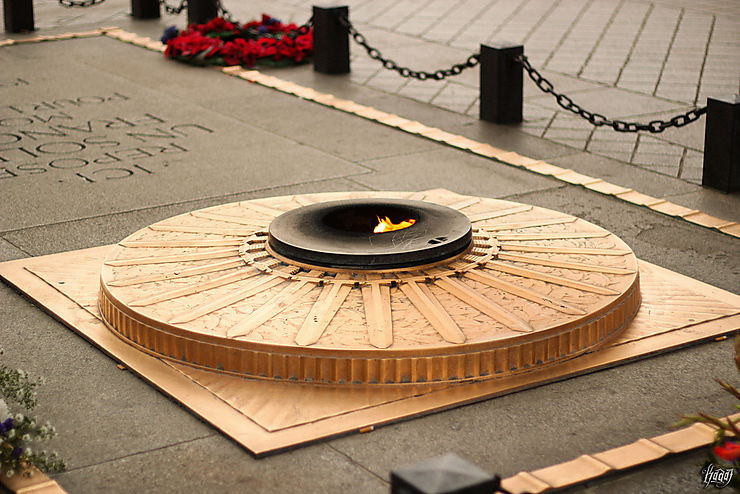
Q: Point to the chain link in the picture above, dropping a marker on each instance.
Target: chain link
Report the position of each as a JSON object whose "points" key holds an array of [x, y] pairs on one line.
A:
{"points": [[170, 9], [77, 3], [174, 10], [599, 120], [224, 13], [389, 64], [305, 28]]}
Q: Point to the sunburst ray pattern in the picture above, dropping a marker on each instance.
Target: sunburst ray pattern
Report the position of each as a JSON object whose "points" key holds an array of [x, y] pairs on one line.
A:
{"points": [[536, 286]]}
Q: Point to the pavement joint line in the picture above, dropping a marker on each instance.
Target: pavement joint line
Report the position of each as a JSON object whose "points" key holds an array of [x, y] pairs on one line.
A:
{"points": [[509, 158], [14, 245], [358, 464], [178, 203], [142, 452], [589, 467]]}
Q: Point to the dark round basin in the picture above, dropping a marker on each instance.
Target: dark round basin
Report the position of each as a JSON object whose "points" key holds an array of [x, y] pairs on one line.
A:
{"points": [[339, 234]]}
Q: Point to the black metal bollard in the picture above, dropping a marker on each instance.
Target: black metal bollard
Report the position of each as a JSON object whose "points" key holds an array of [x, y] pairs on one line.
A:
{"points": [[330, 40], [722, 144], [18, 15], [501, 80], [448, 473], [145, 9], [202, 11]]}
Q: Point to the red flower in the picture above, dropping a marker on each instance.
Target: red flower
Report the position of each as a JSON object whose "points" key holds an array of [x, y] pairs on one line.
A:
{"points": [[190, 44], [217, 24], [240, 52], [205, 43], [728, 450]]}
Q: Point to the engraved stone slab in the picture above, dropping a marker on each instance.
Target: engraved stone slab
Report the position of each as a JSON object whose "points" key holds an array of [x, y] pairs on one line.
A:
{"points": [[128, 129]]}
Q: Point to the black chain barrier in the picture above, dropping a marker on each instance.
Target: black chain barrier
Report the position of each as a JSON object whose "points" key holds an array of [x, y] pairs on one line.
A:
{"points": [[305, 28], [76, 3], [170, 9], [546, 86], [174, 10], [599, 120], [224, 13], [389, 64]]}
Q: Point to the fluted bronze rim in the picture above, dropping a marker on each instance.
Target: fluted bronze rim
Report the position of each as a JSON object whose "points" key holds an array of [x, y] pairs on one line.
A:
{"points": [[316, 361]]}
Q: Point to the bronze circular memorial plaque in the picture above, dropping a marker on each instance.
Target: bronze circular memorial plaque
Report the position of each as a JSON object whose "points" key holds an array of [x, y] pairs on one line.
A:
{"points": [[504, 288]]}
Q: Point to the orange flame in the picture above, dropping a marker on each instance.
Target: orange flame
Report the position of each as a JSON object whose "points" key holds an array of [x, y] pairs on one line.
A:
{"points": [[386, 225]]}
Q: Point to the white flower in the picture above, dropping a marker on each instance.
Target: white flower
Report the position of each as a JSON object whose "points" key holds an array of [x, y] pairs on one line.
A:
{"points": [[26, 437], [4, 410], [10, 473], [19, 417], [28, 451], [11, 433]]}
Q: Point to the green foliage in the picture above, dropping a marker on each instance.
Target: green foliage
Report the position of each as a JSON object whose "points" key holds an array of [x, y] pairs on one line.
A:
{"points": [[18, 431]]}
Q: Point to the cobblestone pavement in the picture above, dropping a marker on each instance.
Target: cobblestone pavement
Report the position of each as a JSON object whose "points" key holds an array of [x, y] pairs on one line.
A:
{"points": [[632, 60]]}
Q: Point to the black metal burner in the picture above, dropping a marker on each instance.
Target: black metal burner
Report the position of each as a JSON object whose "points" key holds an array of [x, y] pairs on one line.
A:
{"points": [[339, 234]]}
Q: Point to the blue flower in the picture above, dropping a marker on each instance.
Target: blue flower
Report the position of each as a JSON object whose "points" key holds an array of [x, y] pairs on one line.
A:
{"points": [[17, 451], [273, 20], [169, 33], [6, 426], [262, 29]]}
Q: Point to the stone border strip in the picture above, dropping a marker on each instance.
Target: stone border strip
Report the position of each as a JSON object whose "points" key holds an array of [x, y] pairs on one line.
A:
{"points": [[111, 32], [510, 158], [616, 460]]}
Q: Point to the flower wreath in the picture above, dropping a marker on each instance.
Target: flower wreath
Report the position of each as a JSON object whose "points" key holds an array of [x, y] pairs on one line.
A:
{"points": [[222, 42]]}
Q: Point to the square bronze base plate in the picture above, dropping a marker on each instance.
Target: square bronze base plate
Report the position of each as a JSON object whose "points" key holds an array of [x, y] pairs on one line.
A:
{"points": [[266, 417]]}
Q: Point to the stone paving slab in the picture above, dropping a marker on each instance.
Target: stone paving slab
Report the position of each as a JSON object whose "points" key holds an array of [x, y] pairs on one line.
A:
{"points": [[113, 420], [614, 102], [465, 174], [8, 251], [326, 130], [214, 465], [91, 132], [110, 228]]}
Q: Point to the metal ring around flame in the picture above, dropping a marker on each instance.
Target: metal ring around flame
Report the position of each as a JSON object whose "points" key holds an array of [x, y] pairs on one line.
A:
{"points": [[338, 234]]}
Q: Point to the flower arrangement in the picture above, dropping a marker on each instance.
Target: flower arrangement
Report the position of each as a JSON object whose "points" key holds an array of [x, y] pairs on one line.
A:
{"points": [[726, 447], [222, 42], [18, 431]]}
